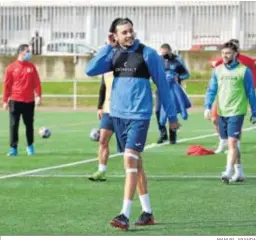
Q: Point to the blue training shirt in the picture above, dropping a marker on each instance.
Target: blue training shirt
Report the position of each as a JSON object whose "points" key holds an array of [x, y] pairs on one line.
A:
{"points": [[131, 98]]}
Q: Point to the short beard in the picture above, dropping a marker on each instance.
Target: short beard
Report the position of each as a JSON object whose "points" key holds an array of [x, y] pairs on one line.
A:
{"points": [[230, 62], [126, 46]]}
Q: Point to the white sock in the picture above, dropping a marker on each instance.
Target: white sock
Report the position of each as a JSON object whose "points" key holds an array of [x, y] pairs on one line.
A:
{"points": [[238, 169], [223, 142], [145, 203], [102, 168], [229, 166], [126, 210]]}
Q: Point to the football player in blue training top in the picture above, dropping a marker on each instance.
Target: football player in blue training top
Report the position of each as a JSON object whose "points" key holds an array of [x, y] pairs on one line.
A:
{"points": [[132, 64], [176, 72]]}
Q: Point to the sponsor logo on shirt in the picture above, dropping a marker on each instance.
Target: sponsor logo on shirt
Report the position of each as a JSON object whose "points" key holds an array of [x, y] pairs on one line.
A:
{"points": [[125, 68], [229, 78]]}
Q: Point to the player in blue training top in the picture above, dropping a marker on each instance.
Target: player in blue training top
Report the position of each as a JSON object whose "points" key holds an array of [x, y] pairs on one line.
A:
{"points": [[176, 72], [132, 64]]}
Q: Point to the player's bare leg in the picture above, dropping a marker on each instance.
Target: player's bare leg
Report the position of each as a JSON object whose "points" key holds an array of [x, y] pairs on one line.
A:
{"points": [[146, 217], [103, 154], [131, 159], [223, 143], [105, 136], [233, 160], [238, 175]]}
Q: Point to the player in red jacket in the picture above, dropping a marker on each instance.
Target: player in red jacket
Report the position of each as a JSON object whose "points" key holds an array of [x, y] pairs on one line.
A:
{"points": [[248, 62], [21, 90]]}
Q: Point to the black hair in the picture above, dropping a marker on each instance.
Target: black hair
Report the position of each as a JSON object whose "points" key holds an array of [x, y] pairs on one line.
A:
{"points": [[22, 47], [166, 46], [235, 41], [119, 21], [230, 45]]}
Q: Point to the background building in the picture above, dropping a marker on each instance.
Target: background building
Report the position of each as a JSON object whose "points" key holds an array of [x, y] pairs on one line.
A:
{"points": [[184, 24]]}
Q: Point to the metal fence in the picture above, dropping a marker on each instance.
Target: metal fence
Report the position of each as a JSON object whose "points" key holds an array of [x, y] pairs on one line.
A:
{"points": [[76, 26], [72, 99]]}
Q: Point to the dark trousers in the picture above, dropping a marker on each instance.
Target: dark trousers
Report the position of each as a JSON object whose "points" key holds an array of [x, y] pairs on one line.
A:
{"points": [[26, 110]]}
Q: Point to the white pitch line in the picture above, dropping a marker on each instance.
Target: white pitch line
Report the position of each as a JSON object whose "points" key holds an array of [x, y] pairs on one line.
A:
{"points": [[153, 145], [122, 176]]}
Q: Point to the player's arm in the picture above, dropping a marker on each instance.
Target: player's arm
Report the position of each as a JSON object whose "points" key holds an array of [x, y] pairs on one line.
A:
{"points": [[156, 68], [182, 71], [101, 63], [102, 93], [211, 92], [37, 82], [249, 89], [37, 86], [246, 60], [8, 82]]}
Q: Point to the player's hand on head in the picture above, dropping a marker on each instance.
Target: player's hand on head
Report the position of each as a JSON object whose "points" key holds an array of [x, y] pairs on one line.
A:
{"points": [[207, 114], [100, 114], [111, 40]]}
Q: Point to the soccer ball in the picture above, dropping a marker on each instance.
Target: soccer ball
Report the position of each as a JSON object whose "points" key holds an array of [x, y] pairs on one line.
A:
{"points": [[95, 134], [44, 132]]}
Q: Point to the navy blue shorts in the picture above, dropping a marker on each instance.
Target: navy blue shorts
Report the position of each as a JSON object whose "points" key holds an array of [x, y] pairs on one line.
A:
{"points": [[106, 122], [230, 126], [131, 134]]}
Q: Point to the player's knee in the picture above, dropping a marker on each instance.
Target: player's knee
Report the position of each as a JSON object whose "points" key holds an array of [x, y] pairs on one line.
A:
{"points": [[29, 126], [131, 160], [131, 170], [232, 143], [140, 166], [132, 156], [103, 141]]}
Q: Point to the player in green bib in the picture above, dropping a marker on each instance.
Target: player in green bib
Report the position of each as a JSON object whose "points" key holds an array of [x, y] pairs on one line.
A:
{"points": [[232, 87]]}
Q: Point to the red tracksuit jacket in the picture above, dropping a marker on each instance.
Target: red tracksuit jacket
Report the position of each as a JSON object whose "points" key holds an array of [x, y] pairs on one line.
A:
{"points": [[245, 60], [21, 82]]}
